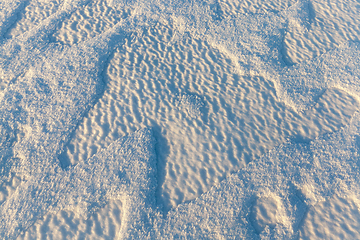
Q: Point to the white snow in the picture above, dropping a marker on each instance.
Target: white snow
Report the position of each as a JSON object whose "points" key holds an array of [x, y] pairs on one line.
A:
{"points": [[222, 119]]}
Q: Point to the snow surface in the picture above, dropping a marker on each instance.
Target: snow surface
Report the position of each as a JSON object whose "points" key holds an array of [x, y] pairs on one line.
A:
{"points": [[159, 119]]}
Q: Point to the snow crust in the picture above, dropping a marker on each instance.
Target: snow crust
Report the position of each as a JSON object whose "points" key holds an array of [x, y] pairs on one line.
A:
{"points": [[51, 75]]}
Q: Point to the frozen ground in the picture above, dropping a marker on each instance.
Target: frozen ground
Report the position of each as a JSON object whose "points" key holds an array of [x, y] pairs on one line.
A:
{"points": [[179, 119]]}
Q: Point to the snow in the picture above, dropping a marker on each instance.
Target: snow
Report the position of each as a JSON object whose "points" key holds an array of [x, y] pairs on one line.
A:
{"points": [[183, 119]]}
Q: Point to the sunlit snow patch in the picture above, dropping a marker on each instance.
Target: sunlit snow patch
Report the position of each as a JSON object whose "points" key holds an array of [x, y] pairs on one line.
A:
{"points": [[241, 119], [265, 212], [234, 7], [104, 223], [90, 21], [335, 218], [126, 170], [301, 84], [290, 192], [32, 15], [329, 24], [9, 180]]}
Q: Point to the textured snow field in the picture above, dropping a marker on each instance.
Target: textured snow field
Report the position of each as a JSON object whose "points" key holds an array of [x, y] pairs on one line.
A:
{"points": [[192, 120]]}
